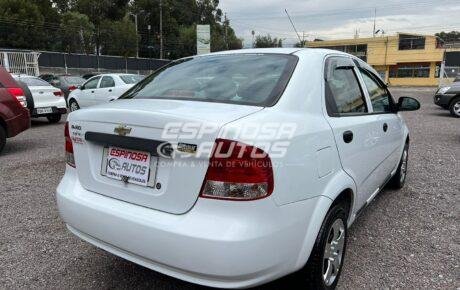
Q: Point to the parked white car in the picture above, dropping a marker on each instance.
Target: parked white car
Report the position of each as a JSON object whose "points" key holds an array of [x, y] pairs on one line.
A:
{"points": [[48, 101], [236, 168], [101, 89]]}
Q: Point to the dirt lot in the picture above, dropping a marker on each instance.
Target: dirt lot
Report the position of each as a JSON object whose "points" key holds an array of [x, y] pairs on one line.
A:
{"points": [[405, 239]]}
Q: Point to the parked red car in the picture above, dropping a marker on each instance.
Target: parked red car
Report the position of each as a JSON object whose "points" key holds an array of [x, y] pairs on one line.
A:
{"points": [[14, 115]]}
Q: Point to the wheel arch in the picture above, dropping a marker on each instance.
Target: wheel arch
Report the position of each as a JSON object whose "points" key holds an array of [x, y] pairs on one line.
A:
{"points": [[340, 188]]}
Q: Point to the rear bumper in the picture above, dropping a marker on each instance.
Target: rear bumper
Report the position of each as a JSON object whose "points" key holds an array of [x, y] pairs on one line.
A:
{"points": [[443, 100], [217, 243], [18, 123]]}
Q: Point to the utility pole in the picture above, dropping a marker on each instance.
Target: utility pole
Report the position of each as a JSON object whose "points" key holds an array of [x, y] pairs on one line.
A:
{"points": [[137, 34], [225, 26], [375, 15], [253, 34], [161, 29]]}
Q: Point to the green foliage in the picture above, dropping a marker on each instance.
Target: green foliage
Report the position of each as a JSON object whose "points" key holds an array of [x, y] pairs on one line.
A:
{"points": [[453, 36], [267, 41], [107, 26], [77, 33], [118, 38], [21, 24]]}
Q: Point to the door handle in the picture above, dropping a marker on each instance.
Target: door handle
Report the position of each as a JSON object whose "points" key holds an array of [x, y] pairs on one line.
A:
{"points": [[385, 127], [110, 90], [92, 91], [347, 136]]}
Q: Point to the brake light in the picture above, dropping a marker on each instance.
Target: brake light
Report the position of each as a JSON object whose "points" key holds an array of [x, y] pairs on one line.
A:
{"points": [[58, 93], [72, 88], [68, 146], [238, 171], [19, 95]]}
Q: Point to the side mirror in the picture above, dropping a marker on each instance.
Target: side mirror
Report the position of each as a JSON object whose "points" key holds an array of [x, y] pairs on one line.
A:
{"points": [[408, 104]]}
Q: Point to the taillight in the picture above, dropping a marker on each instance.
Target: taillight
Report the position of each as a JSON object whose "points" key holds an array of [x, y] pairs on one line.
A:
{"points": [[19, 95], [68, 146], [58, 93], [238, 171], [72, 88]]}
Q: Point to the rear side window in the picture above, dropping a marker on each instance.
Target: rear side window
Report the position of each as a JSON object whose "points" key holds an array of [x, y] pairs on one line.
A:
{"points": [[33, 82], [249, 79], [107, 82], [131, 79], [380, 98], [343, 92]]}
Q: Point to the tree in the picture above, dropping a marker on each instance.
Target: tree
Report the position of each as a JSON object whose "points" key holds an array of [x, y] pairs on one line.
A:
{"points": [[22, 25], [118, 38], [100, 11], [267, 41], [453, 36], [77, 33]]}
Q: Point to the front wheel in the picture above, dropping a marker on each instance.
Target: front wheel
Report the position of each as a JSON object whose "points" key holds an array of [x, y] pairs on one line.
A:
{"points": [[324, 266], [454, 107], [73, 105], [54, 118], [399, 179]]}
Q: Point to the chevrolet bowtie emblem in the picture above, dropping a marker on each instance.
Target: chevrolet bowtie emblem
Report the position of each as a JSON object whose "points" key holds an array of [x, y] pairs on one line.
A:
{"points": [[122, 130]]}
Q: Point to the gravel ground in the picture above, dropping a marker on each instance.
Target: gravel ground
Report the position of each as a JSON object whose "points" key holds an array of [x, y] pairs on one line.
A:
{"points": [[405, 239]]}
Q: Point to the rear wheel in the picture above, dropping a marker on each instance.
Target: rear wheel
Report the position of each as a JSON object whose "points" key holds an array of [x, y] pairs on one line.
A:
{"points": [[398, 180], [54, 118], [2, 138], [454, 107], [73, 105], [324, 266]]}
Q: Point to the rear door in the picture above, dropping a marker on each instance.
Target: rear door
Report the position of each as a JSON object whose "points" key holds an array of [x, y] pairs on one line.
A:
{"points": [[105, 91], [349, 115]]}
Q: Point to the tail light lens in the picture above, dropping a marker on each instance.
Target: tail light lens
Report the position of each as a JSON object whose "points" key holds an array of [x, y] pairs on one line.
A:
{"points": [[72, 88], [58, 93], [19, 95], [68, 146], [238, 171]]}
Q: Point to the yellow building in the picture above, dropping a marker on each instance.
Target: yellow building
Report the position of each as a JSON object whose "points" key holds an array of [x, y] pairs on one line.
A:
{"points": [[401, 60]]}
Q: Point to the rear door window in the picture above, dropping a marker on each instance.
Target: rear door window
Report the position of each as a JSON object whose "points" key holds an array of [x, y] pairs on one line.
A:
{"points": [[343, 92]]}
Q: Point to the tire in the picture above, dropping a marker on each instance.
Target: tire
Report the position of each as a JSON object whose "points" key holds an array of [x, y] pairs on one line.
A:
{"points": [[2, 138], [334, 229], [73, 105], [454, 107], [399, 179], [54, 118]]}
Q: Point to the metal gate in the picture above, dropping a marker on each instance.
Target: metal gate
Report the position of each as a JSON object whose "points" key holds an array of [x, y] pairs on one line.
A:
{"points": [[20, 62]]}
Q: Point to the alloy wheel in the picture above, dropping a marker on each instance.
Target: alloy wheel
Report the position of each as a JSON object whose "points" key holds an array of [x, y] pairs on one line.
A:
{"points": [[73, 106], [403, 171], [457, 108], [333, 252]]}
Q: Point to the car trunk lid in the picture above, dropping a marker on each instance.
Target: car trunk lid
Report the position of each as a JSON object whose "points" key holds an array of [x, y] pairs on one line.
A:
{"points": [[173, 183]]}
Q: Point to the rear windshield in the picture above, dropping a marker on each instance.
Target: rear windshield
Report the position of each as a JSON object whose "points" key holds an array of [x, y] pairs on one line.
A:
{"points": [[31, 82], [251, 79], [74, 80], [131, 79]]}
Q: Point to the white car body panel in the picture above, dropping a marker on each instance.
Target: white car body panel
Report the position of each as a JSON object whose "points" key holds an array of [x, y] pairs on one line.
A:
{"points": [[226, 243], [44, 97]]}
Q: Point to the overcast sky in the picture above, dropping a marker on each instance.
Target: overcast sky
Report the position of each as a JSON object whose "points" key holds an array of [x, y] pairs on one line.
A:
{"points": [[332, 19]]}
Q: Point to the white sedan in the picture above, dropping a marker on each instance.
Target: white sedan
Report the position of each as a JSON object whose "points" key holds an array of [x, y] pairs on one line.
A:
{"points": [[101, 89], [48, 101], [236, 168]]}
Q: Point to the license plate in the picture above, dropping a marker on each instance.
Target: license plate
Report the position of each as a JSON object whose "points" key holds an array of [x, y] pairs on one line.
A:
{"points": [[44, 111], [129, 166]]}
